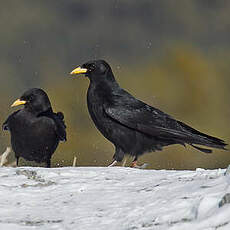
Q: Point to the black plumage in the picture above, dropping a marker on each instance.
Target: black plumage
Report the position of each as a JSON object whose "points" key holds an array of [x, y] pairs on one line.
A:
{"points": [[35, 129], [131, 125]]}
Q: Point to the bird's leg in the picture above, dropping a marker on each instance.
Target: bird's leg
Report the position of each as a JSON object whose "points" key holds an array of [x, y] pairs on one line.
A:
{"points": [[118, 156], [135, 165], [48, 164], [17, 161], [113, 163], [124, 161]]}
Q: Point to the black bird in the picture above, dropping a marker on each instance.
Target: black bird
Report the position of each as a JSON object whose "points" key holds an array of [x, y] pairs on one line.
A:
{"points": [[131, 125], [35, 129]]}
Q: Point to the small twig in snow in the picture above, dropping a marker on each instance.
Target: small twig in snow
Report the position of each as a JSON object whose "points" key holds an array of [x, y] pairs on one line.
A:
{"points": [[74, 161], [3, 157]]}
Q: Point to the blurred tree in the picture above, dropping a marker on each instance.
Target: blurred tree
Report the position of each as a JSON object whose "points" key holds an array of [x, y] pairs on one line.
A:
{"points": [[172, 56]]}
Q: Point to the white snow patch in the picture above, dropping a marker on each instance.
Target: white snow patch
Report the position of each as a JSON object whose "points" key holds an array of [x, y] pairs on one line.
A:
{"points": [[113, 198]]}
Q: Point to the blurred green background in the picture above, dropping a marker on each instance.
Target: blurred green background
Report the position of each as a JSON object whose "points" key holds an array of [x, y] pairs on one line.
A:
{"points": [[173, 55]]}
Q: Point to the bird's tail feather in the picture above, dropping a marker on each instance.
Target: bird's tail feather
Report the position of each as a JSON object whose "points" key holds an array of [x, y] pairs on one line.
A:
{"points": [[203, 139], [202, 149]]}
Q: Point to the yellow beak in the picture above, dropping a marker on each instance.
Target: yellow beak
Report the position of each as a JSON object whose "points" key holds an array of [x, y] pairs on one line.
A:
{"points": [[18, 102], [79, 70]]}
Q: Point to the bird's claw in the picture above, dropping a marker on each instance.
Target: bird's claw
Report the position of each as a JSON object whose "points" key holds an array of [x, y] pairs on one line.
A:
{"points": [[135, 165]]}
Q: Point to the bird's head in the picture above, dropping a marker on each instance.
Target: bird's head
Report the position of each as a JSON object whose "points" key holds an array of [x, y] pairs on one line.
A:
{"points": [[35, 100], [95, 70]]}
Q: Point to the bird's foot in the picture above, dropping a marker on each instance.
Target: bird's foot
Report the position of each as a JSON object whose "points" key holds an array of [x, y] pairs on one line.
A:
{"points": [[135, 165], [113, 164]]}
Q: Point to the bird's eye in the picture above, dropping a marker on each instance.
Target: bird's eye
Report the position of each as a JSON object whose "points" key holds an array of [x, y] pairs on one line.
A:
{"points": [[31, 98], [92, 67]]}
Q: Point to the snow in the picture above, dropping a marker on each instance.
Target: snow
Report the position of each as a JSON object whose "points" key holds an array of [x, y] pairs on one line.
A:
{"points": [[113, 198]]}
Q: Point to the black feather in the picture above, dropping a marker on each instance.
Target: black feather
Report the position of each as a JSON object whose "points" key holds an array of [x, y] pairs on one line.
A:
{"points": [[202, 149], [35, 129], [131, 125]]}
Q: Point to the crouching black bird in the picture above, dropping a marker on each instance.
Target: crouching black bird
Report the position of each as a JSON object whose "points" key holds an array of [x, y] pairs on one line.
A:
{"points": [[131, 125], [35, 129]]}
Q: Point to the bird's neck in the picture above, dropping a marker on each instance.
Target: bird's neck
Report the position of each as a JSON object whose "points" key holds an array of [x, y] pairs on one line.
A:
{"points": [[102, 92], [38, 113], [103, 84], [46, 113]]}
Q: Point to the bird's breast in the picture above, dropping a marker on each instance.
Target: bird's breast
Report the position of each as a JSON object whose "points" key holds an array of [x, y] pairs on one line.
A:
{"points": [[95, 104], [30, 127]]}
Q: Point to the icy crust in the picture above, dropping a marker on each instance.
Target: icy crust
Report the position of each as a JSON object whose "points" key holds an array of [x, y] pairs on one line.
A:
{"points": [[113, 198]]}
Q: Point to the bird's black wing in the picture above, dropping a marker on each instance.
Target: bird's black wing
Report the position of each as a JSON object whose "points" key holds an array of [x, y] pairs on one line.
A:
{"points": [[6, 124], [141, 117], [60, 125], [146, 119]]}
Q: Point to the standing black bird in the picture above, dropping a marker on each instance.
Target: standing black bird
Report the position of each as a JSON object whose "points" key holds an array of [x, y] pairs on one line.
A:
{"points": [[35, 130], [131, 125]]}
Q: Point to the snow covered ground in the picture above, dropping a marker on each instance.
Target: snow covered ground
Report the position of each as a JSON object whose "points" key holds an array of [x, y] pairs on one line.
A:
{"points": [[113, 199]]}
